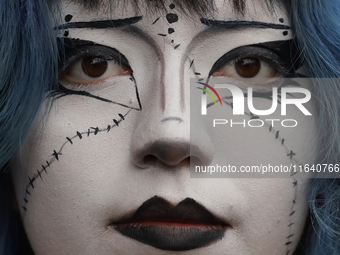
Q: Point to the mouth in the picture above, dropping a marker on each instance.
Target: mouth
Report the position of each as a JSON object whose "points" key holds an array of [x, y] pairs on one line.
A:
{"points": [[186, 226]]}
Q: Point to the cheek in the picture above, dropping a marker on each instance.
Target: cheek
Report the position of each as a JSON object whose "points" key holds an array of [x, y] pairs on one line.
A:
{"points": [[69, 171], [277, 212]]}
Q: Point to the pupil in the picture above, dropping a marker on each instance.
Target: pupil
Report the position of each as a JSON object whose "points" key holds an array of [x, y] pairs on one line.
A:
{"points": [[94, 67], [248, 67]]}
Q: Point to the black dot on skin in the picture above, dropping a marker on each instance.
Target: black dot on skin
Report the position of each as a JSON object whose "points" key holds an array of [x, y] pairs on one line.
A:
{"points": [[172, 41], [172, 17], [285, 33], [172, 6], [68, 17], [171, 30], [281, 20], [66, 33]]}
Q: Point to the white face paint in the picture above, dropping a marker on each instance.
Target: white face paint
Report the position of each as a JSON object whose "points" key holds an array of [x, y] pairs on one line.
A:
{"points": [[107, 152]]}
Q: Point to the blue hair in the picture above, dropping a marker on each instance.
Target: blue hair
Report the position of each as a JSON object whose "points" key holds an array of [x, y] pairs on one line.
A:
{"points": [[320, 50], [28, 51], [28, 66]]}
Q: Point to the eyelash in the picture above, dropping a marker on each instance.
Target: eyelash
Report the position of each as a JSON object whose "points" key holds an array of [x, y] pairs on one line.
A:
{"points": [[94, 50], [72, 50], [243, 52]]}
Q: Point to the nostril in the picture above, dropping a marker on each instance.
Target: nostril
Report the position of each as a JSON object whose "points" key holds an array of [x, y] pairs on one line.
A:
{"points": [[170, 153], [150, 160]]}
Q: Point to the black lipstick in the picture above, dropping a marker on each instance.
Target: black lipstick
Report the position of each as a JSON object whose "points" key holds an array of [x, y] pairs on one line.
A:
{"points": [[186, 226]]}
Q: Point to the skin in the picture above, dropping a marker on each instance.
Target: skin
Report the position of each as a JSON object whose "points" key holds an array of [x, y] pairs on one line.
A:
{"points": [[104, 176]]}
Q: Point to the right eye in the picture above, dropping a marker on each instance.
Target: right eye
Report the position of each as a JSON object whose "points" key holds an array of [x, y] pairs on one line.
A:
{"points": [[93, 64]]}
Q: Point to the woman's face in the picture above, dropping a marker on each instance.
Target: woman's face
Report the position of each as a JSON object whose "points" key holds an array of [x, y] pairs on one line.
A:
{"points": [[108, 171]]}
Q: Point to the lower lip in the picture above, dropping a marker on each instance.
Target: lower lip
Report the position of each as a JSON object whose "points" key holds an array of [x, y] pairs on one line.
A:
{"points": [[172, 236]]}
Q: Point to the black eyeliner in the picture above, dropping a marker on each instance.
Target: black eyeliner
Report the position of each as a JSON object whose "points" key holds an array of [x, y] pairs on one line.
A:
{"points": [[241, 24], [274, 52], [100, 24], [71, 50]]}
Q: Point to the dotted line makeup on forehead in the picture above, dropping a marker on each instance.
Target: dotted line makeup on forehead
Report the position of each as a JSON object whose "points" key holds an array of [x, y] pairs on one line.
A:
{"points": [[171, 18]]}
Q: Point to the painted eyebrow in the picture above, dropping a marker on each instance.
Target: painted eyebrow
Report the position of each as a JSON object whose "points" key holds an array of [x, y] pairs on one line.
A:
{"points": [[239, 24], [102, 23]]}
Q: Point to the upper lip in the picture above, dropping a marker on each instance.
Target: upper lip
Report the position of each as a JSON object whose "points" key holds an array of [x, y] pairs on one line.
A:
{"points": [[157, 209]]}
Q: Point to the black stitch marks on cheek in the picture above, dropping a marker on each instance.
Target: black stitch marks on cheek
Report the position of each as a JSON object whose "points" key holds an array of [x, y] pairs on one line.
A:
{"points": [[171, 30], [96, 130], [177, 46], [55, 155], [172, 18], [39, 176], [31, 181], [79, 135], [291, 154], [277, 134], [68, 18], [162, 34], [68, 139], [254, 117], [116, 122], [156, 20]]}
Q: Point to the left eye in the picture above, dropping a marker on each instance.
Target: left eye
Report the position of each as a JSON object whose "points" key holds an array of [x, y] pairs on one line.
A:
{"points": [[93, 68], [247, 68]]}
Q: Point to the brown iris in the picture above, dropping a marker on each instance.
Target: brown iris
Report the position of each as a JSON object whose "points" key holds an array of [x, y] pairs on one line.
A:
{"points": [[94, 67], [248, 67]]}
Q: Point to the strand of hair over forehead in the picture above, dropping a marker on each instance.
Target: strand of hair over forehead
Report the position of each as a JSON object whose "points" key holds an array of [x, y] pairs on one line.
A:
{"points": [[28, 66], [320, 46]]}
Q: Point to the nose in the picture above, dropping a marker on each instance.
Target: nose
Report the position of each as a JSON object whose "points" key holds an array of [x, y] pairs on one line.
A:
{"points": [[167, 144], [162, 132]]}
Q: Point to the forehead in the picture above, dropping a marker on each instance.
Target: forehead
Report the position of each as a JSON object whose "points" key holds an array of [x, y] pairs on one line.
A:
{"points": [[257, 10]]}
